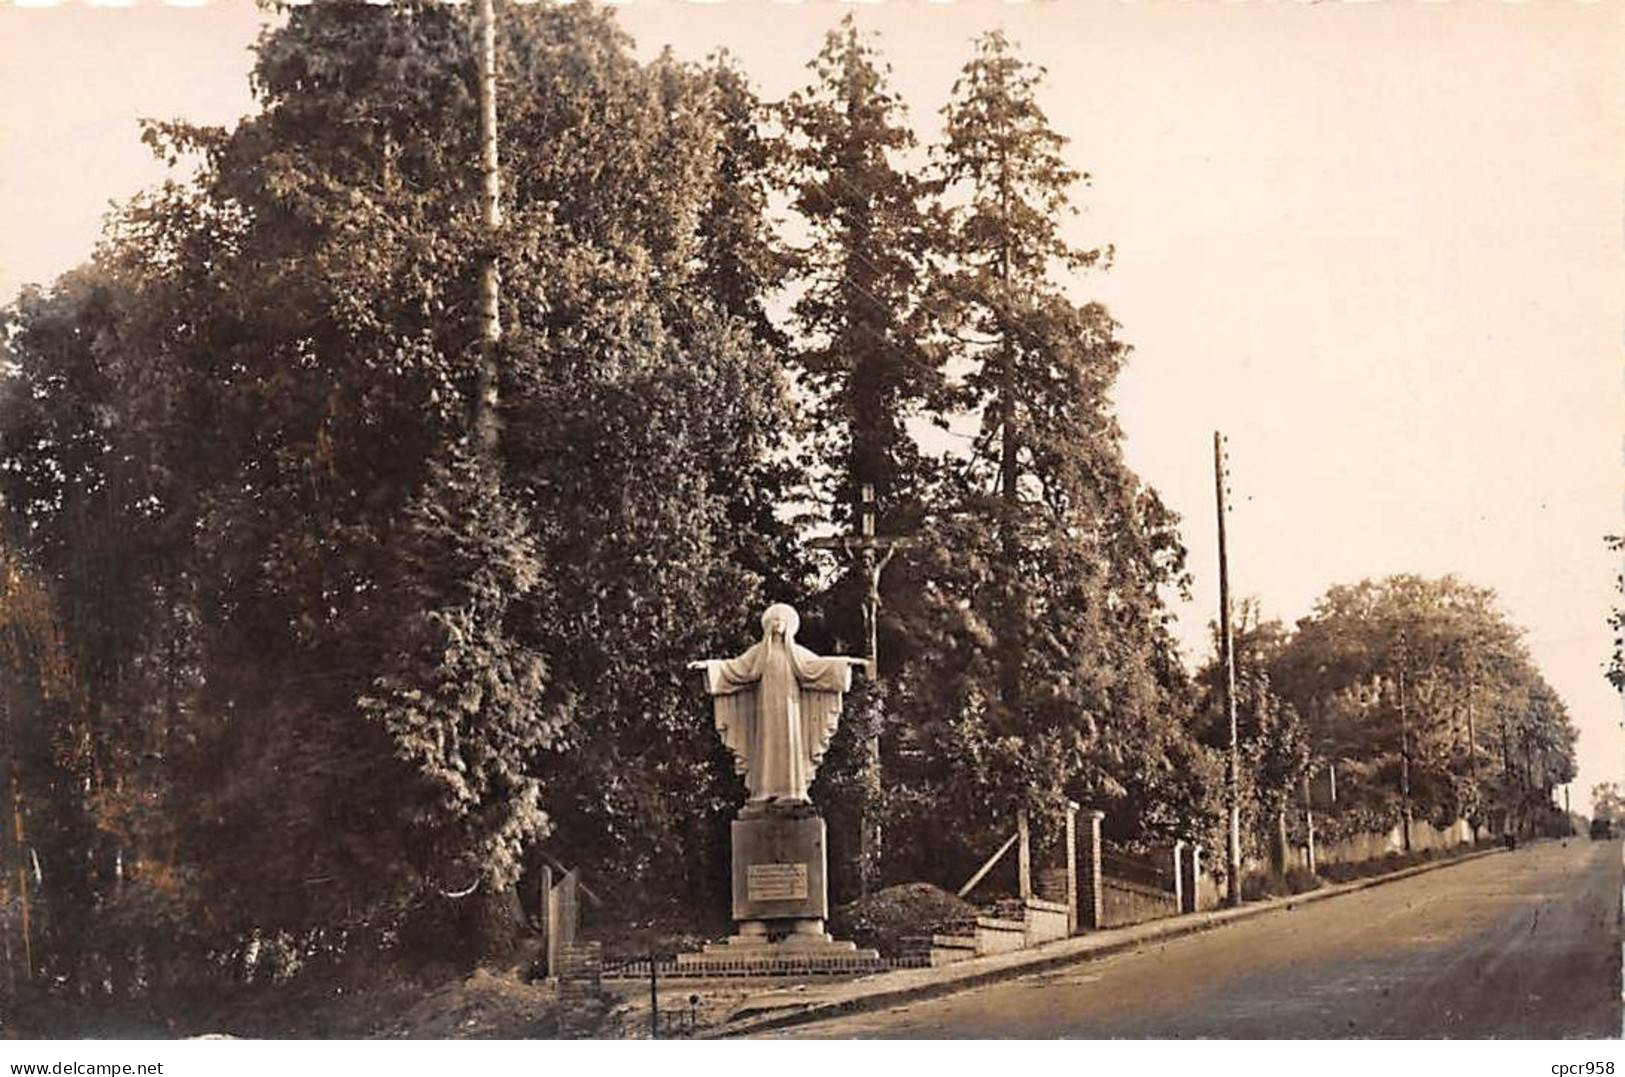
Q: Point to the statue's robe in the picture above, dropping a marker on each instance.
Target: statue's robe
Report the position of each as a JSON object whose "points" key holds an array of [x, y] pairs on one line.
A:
{"points": [[777, 706]]}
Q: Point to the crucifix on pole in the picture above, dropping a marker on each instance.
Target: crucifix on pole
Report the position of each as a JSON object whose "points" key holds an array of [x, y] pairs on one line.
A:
{"points": [[873, 553]]}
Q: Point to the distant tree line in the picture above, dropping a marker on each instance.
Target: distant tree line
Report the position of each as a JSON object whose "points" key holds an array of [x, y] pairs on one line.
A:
{"points": [[1392, 695], [292, 673]]}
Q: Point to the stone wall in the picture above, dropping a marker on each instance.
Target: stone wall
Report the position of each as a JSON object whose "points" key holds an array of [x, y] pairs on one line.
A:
{"points": [[995, 936], [1208, 893], [1128, 902], [1361, 847], [1046, 921]]}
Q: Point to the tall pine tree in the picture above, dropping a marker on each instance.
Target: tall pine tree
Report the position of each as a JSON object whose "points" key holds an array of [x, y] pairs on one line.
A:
{"points": [[1047, 670], [862, 271], [864, 366]]}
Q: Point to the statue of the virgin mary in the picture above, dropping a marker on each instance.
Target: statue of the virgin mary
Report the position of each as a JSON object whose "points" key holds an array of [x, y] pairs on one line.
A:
{"points": [[777, 706]]}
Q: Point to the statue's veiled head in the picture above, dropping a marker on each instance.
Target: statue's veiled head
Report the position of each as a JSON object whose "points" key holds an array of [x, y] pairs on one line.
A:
{"points": [[780, 622]]}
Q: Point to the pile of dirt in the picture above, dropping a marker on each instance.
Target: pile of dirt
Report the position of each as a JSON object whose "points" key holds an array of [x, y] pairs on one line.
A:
{"points": [[886, 917], [485, 1005]]}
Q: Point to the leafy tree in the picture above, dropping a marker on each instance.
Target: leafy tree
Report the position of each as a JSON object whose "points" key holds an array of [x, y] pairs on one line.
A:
{"points": [[1271, 735], [1607, 802], [95, 572], [364, 669], [648, 424], [43, 734], [1471, 694]]}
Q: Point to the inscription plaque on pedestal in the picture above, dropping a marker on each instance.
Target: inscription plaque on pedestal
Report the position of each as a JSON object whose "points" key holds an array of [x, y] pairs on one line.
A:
{"points": [[776, 882]]}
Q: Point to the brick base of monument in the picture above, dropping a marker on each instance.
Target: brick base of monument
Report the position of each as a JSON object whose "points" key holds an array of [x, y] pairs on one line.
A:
{"points": [[780, 901]]}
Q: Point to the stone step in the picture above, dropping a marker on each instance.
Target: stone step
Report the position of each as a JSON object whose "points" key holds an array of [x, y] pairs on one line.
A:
{"points": [[815, 944], [780, 953], [1046, 905], [954, 942], [791, 952], [991, 923]]}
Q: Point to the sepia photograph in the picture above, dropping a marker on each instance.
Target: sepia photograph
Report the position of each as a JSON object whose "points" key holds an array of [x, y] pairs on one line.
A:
{"points": [[751, 520]]}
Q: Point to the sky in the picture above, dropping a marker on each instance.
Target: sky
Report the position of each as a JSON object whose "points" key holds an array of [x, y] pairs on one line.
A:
{"points": [[1378, 245]]}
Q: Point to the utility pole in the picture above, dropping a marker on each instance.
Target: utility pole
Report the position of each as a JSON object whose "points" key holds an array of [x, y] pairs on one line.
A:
{"points": [[490, 311], [874, 553], [1508, 800], [1227, 656], [1404, 744], [1472, 736]]}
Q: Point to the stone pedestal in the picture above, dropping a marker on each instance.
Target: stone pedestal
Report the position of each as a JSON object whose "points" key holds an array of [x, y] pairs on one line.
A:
{"points": [[780, 902], [780, 872]]}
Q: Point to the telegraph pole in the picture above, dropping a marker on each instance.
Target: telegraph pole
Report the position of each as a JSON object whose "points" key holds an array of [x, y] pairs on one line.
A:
{"points": [[1227, 655], [1472, 739], [1404, 748], [874, 553]]}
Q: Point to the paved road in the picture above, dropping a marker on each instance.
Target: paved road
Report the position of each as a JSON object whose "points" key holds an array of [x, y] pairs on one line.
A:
{"points": [[1524, 945]]}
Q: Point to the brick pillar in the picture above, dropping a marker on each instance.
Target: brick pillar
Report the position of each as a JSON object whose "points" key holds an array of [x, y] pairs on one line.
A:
{"points": [[1190, 878], [1091, 897], [1179, 876], [1071, 867]]}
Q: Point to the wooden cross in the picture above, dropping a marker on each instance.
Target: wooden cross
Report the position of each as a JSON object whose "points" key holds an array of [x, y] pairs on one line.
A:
{"points": [[874, 553]]}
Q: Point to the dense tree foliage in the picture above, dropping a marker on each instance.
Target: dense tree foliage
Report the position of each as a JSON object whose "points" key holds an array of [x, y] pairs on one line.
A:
{"points": [[1607, 801], [296, 662], [862, 351], [1271, 735], [375, 673], [1429, 677], [865, 370]]}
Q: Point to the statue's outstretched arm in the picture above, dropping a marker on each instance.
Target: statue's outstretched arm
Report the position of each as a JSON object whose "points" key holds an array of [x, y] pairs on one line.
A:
{"points": [[726, 675]]}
